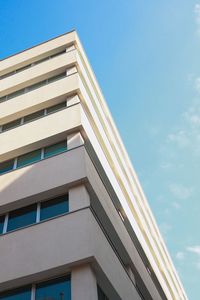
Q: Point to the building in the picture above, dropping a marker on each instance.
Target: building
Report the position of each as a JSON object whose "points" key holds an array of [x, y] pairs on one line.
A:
{"points": [[74, 221]]}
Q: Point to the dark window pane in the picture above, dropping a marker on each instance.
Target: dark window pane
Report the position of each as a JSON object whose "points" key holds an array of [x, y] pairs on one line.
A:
{"points": [[2, 218], [6, 166], [29, 158], [36, 86], [11, 125], [59, 53], [101, 295], [41, 60], [57, 289], [17, 294], [15, 94], [2, 99], [34, 116], [23, 68], [55, 149], [7, 75], [22, 217], [54, 207], [57, 77], [56, 107]]}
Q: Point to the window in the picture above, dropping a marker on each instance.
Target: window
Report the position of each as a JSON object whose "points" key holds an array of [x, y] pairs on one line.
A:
{"points": [[11, 125], [59, 76], [56, 107], [6, 166], [4, 98], [15, 94], [18, 294], [34, 116], [54, 207], [34, 213], [22, 217], [101, 295], [33, 157], [55, 149], [29, 158], [57, 289], [2, 219], [36, 85]]}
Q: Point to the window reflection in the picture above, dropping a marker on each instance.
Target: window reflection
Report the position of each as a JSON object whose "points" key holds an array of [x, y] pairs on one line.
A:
{"points": [[22, 217], [57, 289], [18, 294]]}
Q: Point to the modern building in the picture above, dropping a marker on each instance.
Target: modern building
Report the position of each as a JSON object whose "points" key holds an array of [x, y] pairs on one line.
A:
{"points": [[74, 221]]}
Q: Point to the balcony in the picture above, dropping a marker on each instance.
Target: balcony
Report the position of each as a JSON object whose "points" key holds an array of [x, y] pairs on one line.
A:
{"points": [[49, 129], [37, 73], [50, 175], [55, 247]]}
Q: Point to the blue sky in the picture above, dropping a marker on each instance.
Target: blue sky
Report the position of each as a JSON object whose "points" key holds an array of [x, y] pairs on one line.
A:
{"points": [[146, 56]]}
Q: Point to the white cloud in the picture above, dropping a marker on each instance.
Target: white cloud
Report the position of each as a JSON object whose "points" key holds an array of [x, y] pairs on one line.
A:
{"points": [[180, 138], [197, 15], [180, 191], [198, 265], [180, 256], [165, 228], [176, 205], [166, 165], [197, 84], [187, 136], [194, 249]]}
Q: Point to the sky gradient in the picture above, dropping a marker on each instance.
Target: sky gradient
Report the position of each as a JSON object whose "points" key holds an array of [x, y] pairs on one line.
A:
{"points": [[146, 57]]}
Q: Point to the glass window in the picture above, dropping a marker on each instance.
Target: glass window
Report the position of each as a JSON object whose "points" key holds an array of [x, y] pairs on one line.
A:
{"points": [[59, 53], [2, 219], [41, 60], [22, 217], [29, 158], [34, 116], [6, 166], [57, 77], [101, 295], [54, 207], [2, 99], [56, 107], [55, 149], [23, 68], [57, 289], [18, 294], [11, 125], [15, 94], [36, 86]]}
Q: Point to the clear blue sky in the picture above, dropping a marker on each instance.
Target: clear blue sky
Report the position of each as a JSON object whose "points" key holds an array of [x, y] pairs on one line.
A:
{"points": [[146, 56]]}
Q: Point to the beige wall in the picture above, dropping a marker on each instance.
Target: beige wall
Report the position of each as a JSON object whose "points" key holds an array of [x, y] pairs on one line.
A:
{"points": [[96, 123], [62, 241]]}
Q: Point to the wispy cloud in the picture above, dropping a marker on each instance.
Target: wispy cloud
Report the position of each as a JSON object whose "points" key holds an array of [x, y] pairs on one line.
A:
{"points": [[180, 256], [176, 205], [165, 228], [180, 138], [180, 191], [197, 15], [187, 136], [166, 165], [194, 249]]}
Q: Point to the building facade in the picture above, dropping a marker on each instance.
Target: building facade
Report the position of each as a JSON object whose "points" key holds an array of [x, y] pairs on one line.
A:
{"points": [[74, 221]]}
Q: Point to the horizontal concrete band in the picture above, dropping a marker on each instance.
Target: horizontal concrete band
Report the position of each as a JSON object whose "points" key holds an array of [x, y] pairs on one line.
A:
{"points": [[38, 99], [63, 241]]}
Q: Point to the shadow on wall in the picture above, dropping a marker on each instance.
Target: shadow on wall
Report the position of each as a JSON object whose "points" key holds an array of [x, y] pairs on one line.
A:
{"points": [[41, 180]]}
